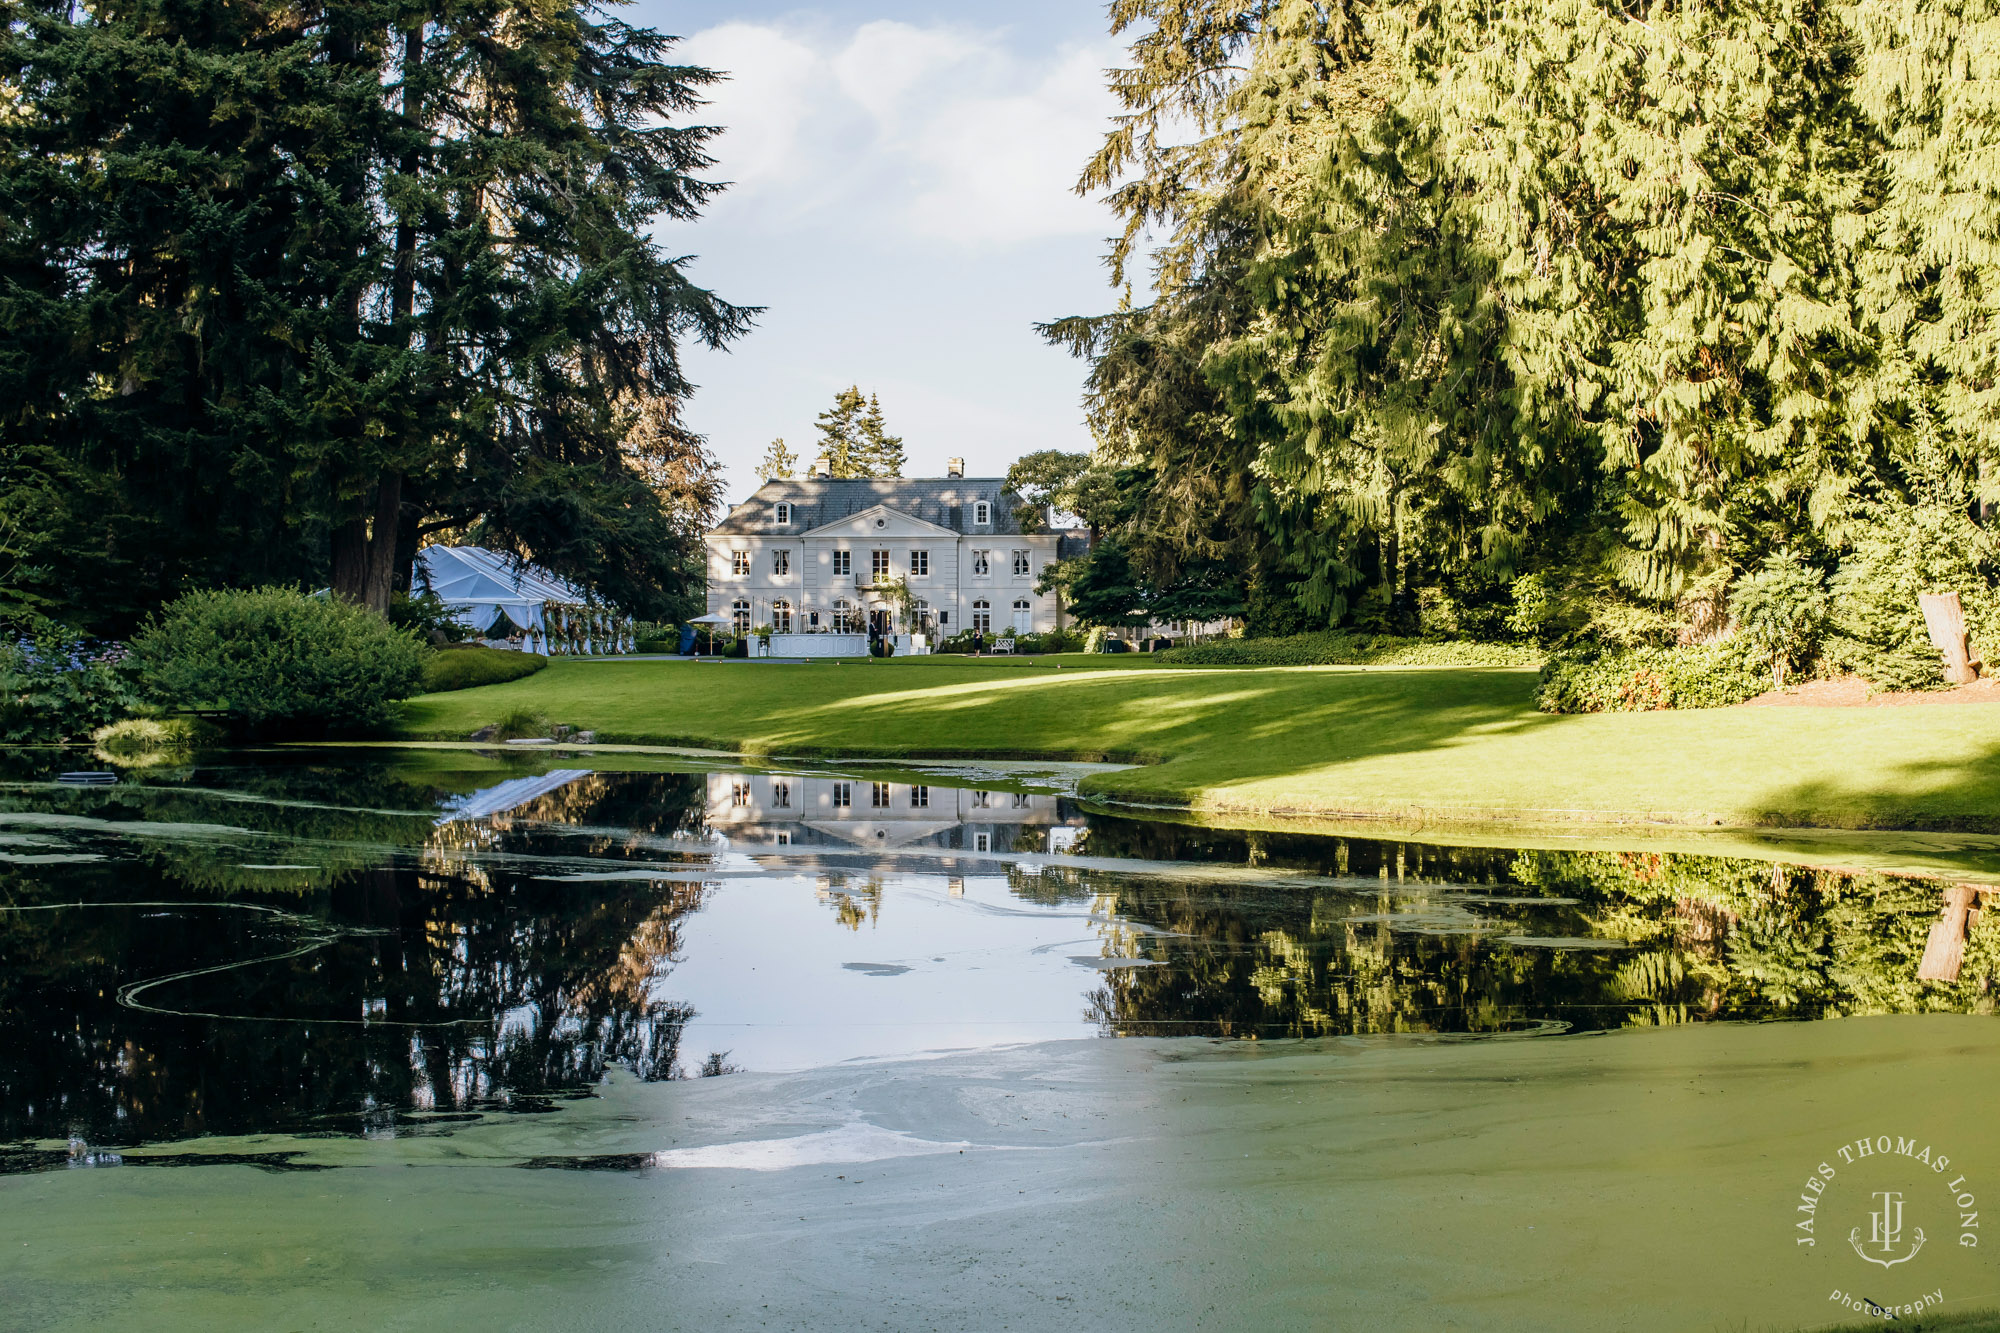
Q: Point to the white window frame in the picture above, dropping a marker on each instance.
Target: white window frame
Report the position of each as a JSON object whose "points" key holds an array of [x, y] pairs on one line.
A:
{"points": [[843, 795], [920, 798], [845, 617], [739, 615], [982, 564], [982, 617], [739, 563], [1024, 616], [781, 563], [781, 795], [879, 798], [843, 563], [982, 842], [982, 514], [781, 616], [920, 564], [981, 799], [879, 565], [781, 513], [1023, 565], [739, 795]]}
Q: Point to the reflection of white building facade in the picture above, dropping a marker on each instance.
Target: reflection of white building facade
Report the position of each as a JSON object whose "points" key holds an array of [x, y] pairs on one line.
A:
{"points": [[815, 556], [757, 810]]}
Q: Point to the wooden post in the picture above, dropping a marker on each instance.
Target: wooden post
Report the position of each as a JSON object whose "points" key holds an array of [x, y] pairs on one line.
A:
{"points": [[1945, 619], [1944, 953]]}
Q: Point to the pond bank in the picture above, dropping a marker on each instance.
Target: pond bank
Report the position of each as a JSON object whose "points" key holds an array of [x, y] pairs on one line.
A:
{"points": [[1429, 748]]}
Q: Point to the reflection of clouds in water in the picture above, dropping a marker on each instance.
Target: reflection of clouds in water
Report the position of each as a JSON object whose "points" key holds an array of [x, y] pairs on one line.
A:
{"points": [[853, 1143]]}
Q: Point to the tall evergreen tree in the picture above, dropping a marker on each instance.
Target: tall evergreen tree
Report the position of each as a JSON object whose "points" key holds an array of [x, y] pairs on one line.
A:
{"points": [[295, 284], [778, 461], [1452, 291], [878, 453], [855, 441]]}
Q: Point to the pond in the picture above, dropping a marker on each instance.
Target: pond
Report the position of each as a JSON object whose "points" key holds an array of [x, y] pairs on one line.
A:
{"points": [[279, 965]]}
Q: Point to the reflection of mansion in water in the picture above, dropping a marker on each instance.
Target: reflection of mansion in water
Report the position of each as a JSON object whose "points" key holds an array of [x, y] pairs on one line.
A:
{"points": [[756, 810]]}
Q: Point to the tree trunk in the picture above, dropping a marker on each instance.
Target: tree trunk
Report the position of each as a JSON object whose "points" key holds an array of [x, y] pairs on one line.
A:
{"points": [[364, 549], [1944, 617]]}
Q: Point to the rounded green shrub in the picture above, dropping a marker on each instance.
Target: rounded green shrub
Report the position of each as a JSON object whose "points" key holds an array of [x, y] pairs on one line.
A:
{"points": [[462, 667], [276, 657]]}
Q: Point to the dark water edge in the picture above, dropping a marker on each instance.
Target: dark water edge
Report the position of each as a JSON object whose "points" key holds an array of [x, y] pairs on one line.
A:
{"points": [[380, 943]]}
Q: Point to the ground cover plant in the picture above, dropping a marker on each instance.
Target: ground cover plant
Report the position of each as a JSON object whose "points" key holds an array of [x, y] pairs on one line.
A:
{"points": [[1414, 744], [1638, 680]]}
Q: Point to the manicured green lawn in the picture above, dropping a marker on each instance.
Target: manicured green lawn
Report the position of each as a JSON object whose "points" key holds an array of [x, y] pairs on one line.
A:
{"points": [[1411, 744]]}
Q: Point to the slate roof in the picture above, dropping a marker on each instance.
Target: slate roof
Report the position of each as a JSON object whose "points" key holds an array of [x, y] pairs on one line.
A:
{"points": [[815, 501]]}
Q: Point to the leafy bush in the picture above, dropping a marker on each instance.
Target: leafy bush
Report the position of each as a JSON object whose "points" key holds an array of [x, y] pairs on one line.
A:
{"points": [[1332, 648], [1781, 613], [463, 668], [1877, 628], [275, 656], [1713, 675], [56, 688]]}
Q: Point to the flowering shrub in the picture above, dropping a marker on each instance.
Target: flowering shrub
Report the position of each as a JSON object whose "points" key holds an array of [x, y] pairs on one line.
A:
{"points": [[57, 687]]}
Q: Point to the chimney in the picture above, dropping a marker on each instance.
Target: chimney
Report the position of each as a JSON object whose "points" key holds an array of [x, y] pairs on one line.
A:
{"points": [[821, 467], [954, 467]]}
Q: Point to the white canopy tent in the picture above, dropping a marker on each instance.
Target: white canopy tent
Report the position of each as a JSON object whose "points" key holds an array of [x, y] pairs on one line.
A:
{"points": [[552, 615]]}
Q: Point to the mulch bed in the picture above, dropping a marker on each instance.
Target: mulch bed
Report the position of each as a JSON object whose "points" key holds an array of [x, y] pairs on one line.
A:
{"points": [[1854, 692]]}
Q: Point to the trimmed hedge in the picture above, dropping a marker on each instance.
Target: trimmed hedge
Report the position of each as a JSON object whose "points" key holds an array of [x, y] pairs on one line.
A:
{"points": [[1330, 648], [1051, 641], [1642, 680], [468, 667]]}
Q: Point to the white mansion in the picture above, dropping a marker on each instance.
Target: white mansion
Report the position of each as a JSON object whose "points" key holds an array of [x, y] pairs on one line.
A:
{"points": [[816, 555]]}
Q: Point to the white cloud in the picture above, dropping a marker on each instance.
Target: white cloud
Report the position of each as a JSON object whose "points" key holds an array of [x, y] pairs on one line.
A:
{"points": [[939, 134]]}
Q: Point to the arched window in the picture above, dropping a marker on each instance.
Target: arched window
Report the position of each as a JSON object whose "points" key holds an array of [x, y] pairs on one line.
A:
{"points": [[1024, 616], [982, 617], [781, 617], [846, 620], [740, 614]]}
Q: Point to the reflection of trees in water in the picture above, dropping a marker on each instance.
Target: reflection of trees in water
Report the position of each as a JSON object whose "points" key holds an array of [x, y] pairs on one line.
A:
{"points": [[853, 906], [1706, 937], [450, 987]]}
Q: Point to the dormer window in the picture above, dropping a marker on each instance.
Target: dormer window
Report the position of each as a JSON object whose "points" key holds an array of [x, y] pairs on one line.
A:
{"points": [[982, 513], [781, 514]]}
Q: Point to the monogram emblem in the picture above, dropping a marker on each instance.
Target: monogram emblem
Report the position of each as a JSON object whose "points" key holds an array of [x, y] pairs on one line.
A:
{"points": [[1885, 1232]]}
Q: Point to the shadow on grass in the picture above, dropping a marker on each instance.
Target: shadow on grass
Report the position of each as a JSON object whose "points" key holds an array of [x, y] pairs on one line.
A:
{"points": [[1959, 795], [1224, 723]]}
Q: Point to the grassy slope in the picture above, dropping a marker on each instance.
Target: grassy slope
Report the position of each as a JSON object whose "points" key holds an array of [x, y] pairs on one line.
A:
{"points": [[1449, 744]]}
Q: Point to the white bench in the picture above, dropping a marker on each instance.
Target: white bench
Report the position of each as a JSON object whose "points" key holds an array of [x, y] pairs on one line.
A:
{"points": [[1003, 645]]}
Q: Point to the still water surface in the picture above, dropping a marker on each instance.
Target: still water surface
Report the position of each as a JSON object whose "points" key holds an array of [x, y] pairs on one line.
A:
{"points": [[255, 960]]}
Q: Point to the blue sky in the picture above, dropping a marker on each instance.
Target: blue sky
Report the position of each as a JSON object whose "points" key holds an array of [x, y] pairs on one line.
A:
{"points": [[902, 207]]}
